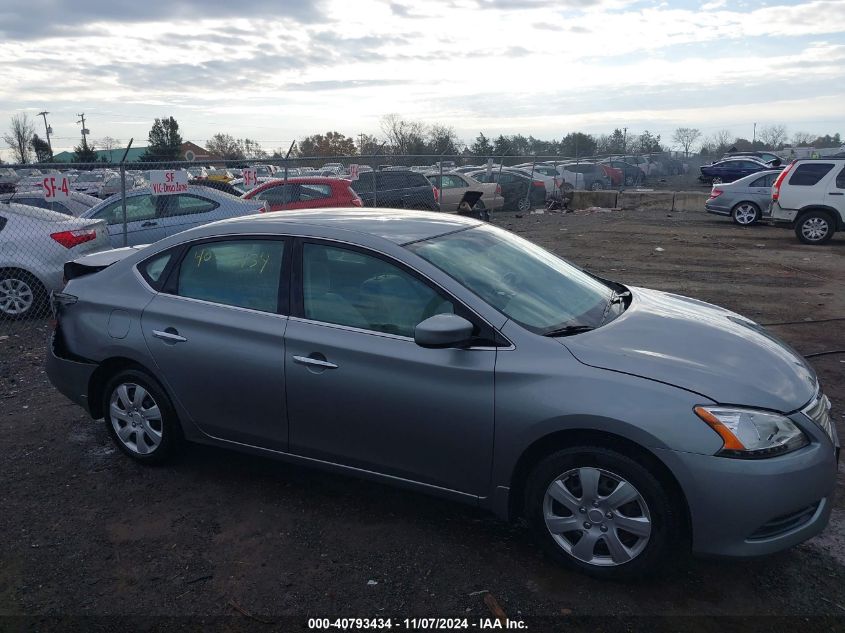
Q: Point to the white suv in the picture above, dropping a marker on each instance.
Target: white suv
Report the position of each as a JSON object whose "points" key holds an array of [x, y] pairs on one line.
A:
{"points": [[809, 196]]}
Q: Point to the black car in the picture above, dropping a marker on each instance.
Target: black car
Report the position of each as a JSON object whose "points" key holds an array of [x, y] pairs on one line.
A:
{"points": [[520, 192], [396, 189]]}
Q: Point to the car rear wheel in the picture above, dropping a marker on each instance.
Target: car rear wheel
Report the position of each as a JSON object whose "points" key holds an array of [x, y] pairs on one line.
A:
{"points": [[21, 295], [140, 417], [601, 512], [597, 185], [745, 213], [630, 181], [815, 227], [524, 204]]}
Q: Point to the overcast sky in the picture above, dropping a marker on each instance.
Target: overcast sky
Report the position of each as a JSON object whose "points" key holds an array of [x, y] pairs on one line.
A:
{"points": [[277, 70]]}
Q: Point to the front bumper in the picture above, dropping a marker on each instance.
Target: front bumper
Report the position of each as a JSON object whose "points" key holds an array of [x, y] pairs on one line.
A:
{"points": [[69, 376], [742, 508]]}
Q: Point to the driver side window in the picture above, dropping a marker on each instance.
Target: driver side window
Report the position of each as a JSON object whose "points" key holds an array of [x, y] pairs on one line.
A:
{"points": [[347, 287]]}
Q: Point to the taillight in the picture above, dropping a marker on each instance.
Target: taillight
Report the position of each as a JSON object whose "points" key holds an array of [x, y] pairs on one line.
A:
{"points": [[538, 183], [356, 199], [716, 193], [779, 181], [436, 194], [498, 189], [69, 239]]}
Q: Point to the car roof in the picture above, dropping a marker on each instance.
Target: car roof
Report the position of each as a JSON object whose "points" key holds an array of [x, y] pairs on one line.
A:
{"points": [[396, 225]]}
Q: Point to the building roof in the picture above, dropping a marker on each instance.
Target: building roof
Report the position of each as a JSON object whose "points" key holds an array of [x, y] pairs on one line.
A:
{"points": [[109, 156]]}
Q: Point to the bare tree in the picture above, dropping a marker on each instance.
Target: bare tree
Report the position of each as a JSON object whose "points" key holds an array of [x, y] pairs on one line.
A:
{"points": [[19, 137], [803, 138], [109, 144], [773, 136], [405, 137], [685, 137]]}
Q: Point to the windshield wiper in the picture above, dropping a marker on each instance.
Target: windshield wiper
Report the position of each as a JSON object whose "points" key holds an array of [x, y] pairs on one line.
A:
{"points": [[569, 330], [615, 297]]}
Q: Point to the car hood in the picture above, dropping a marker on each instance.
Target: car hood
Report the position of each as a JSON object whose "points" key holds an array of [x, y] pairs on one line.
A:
{"points": [[701, 348]]}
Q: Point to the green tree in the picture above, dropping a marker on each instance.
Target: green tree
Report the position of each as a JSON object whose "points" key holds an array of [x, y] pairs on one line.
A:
{"points": [[43, 153], [648, 143], [578, 144], [443, 141], [163, 141], [84, 153], [482, 146], [328, 144]]}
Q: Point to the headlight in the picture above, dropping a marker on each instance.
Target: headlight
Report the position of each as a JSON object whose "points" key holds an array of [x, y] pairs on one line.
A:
{"points": [[751, 434]]}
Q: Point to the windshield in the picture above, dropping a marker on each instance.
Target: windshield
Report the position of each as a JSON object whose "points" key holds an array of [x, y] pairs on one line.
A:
{"points": [[527, 283]]}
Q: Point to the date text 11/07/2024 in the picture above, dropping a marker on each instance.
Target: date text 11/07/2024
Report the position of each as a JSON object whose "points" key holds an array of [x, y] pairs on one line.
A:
{"points": [[355, 624]]}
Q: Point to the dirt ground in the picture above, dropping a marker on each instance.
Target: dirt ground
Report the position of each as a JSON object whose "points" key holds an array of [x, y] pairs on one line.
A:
{"points": [[87, 532]]}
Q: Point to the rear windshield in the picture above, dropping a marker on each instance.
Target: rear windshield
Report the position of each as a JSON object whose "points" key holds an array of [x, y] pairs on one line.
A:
{"points": [[39, 214], [809, 174]]}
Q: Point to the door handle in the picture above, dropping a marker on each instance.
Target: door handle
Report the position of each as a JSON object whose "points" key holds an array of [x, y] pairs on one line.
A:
{"points": [[170, 335], [315, 362], [835, 193], [148, 223]]}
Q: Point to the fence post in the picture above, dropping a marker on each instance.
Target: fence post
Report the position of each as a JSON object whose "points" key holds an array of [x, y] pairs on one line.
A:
{"points": [[440, 186], [123, 192]]}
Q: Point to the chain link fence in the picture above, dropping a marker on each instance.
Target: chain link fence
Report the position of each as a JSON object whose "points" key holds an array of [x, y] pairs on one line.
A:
{"points": [[54, 213]]}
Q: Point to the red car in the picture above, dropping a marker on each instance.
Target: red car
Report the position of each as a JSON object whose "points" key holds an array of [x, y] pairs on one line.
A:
{"points": [[305, 193]]}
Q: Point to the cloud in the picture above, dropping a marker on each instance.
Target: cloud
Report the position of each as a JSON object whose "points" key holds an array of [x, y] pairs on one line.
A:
{"points": [[45, 18]]}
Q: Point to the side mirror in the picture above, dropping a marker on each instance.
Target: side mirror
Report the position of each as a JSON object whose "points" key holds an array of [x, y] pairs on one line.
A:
{"points": [[443, 330]]}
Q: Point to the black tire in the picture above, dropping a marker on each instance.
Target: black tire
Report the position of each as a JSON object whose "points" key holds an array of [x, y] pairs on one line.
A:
{"points": [[597, 185], [739, 214], [629, 180], [171, 437], [22, 296], [815, 227], [665, 517]]}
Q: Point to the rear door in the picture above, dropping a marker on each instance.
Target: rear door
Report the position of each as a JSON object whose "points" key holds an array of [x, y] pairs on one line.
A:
{"points": [[185, 210], [216, 332], [836, 193]]}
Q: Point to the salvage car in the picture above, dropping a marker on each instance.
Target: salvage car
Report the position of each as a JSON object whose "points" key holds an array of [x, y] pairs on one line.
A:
{"points": [[34, 246], [744, 200], [449, 356]]}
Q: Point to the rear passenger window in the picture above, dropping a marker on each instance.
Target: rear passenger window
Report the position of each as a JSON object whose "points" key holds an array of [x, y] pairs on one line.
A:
{"points": [[185, 204], [153, 269], [243, 273], [314, 192], [809, 174], [2, 222], [840, 179]]}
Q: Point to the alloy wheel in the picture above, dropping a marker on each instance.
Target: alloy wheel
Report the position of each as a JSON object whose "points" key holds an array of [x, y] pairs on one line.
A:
{"points": [[524, 204], [745, 214], [16, 296], [597, 517], [814, 229], [136, 418]]}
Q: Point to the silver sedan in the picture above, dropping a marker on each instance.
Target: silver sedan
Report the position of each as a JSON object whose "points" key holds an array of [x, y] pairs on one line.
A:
{"points": [[744, 200], [151, 218], [448, 356]]}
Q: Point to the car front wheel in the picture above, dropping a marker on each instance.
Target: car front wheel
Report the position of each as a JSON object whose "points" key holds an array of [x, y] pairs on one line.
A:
{"points": [[21, 295], [815, 227], [601, 512], [140, 417]]}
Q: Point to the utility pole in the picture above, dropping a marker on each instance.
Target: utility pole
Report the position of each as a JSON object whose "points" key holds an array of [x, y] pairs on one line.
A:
{"points": [[47, 129], [624, 140], [85, 131], [754, 138]]}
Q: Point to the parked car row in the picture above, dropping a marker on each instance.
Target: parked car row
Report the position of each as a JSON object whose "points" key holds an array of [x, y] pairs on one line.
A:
{"points": [[808, 196]]}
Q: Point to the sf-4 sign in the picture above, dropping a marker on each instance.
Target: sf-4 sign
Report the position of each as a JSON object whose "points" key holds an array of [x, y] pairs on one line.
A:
{"points": [[166, 182], [55, 188]]}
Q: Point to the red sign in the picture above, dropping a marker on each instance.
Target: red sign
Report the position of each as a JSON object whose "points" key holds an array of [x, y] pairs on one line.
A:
{"points": [[55, 188], [250, 177]]}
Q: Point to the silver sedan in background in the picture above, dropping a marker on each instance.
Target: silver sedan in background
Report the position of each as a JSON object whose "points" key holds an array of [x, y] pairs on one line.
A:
{"points": [[449, 356], [151, 218], [744, 200], [34, 246]]}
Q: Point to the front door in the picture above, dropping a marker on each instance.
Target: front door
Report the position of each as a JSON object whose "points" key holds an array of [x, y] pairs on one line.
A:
{"points": [[216, 333], [361, 393], [143, 224]]}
